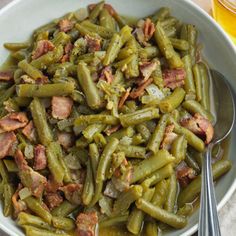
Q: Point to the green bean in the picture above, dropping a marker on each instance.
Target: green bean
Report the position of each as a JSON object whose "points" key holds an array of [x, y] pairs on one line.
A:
{"points": [[192, 139], [186, 210], [125, 199], [106, 20], [125, 132], [150, 228], [179, 148], [160, 194], [61, 39], [157, 74], [180, 44], [132, 151], [159, 175], [43, 62], [54, 164], [135, 220], [40, 121], [94, 158], [198, 82], [161, 14], [16, 46], [36, 206], [111, 221], [28, 219], [170, 32], [189, 33], [10, 165], [153, 163], [33, 72], [8, 192], [47, 27], [30, 230], [139, 116], [157, 136], [3, 172], [192, 163], [171, 102], [63, 223], [82, 142], [88, 188], [98, 119], [205, 102], [156, 212], [100, 30], [171, 195], [166, 47], [149, 52], [125, 34], [96, 11], [123, 63], [64, 209], [188, 194], [92, 129], [189, 85], [7, 94], [89, 88], [44, 90], [194, 107], [144, 131], [124, 53]]}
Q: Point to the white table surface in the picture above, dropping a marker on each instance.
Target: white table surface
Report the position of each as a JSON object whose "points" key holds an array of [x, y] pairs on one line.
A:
{"points": [[227, 214]]}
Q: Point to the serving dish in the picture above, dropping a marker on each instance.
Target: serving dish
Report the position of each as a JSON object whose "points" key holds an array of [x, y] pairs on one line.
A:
{"points": [[17, 23]]}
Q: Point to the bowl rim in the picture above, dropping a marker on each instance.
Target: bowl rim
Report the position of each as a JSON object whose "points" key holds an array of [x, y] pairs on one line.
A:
{"points": [[230, 44]]}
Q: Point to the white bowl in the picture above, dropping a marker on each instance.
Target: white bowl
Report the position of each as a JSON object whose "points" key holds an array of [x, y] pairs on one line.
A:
{"points": [[21, 17]]}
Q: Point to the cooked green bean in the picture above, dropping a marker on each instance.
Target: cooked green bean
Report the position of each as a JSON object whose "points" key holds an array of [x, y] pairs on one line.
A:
{"points": [[125, 132], [198, 82], [116, 220], [132, 151], [180, 44], [94, 158], [92, 129], [161, 14], [160, 194], [8, 192], [64, 209], [106, 20], [191, 162], [63, 223], [150, 228], [96, 11], [156, 212], [16, 46], [179, 148]]}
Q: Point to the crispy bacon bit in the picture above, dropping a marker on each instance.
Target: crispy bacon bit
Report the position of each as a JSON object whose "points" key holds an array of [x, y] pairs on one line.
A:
{"points": [[61, 107], [52, 186], [29, 131], [42, 47], [147, 68], [65, 139], [40, 159], [112, 130], [106, 74], [18, 205], [140, 90], [53, 200], [6, 75], [67, 51], [7, 141], [72, 192], [86, 223], [13, 121], [184, 174], [169, 137], [65, 25], [174, 78], [124, 98], [148, 29], [30, 178], [94, 44], [199, 126]]}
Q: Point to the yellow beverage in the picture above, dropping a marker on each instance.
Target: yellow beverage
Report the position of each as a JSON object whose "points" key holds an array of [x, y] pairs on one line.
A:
{"points": [[224, 11]]}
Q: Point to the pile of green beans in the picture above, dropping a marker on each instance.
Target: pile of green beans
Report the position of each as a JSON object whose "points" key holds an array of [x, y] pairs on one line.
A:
{"points": [[127, 141]]}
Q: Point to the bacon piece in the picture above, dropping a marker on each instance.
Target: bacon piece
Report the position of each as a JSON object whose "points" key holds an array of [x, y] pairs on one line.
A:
{"points": [[124, 98], [169, 137], [30, 132], [72, 192], [30, 178], [13, 121], [42, 47], [6, 75], [94, 44], [52, 186], [106, 74], [148, 29], [65, 25], [68, 49], [7, 140], [174, 78], [40, 159], [65, 139], [112, 130], [86, 223], [53, 200], [61, 107], [140, 90], [184, 174], [199, 126], [18, 205], [147, 68]]}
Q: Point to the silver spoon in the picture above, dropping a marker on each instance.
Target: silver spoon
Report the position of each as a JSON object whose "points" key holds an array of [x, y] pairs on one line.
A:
{"points": [[225, 113]]}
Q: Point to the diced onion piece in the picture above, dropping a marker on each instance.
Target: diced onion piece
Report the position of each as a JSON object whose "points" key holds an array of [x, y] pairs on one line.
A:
{"points": [[154, 91], [24, 193], [81, 14]]}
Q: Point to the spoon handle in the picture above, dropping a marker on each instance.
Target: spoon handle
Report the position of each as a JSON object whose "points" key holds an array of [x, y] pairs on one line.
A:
{"points": [[208, 217]]}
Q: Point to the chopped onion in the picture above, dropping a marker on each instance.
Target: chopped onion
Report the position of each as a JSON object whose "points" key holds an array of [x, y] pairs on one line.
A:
{"points": [[81, 14], [154, 91], [24, 193], [29, 151], [72, 162]]}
